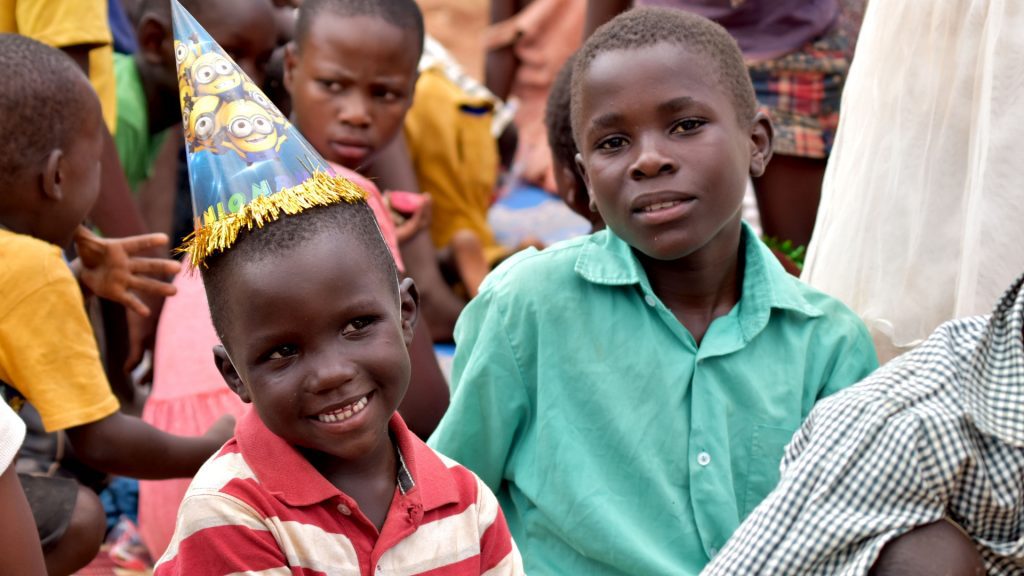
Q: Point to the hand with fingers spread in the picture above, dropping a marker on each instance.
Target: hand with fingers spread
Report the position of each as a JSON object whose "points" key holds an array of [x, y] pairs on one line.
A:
{"points": [[111, 269]]}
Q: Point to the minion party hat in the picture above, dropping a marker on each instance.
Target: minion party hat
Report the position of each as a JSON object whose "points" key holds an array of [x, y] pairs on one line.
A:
{"points": [[247, 164]]}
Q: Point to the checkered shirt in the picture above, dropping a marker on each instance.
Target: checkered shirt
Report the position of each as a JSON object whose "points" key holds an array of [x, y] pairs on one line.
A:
{"points": [[938, 432]]}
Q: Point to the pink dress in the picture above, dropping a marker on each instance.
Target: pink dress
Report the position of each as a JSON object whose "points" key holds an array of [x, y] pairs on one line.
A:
{"points": [[189, 393]]}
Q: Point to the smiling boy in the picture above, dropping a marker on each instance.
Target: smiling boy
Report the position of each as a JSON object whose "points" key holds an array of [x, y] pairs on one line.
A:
{"points": [[628, 394], [323, 476]]}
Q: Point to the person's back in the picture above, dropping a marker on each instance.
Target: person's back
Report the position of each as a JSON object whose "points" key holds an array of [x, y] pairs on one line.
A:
{"points": [[628, 394]]}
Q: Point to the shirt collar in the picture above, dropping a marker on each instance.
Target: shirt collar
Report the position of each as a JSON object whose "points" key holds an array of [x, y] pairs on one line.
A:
{"points": [[286, 474], [994, 386], [609, 260]]}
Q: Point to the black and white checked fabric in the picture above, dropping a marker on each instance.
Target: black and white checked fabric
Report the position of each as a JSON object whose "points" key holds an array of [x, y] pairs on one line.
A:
{"points": [[937, 432]]}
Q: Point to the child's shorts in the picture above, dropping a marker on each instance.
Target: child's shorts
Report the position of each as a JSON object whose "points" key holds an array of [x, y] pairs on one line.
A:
{"points": [[52, 501]]}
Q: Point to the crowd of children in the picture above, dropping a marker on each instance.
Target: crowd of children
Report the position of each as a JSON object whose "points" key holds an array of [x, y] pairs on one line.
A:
{"points": [[662, 395]]}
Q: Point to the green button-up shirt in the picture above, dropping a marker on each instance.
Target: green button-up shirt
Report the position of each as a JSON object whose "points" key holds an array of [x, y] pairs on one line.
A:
{"points": [[615, 444]]}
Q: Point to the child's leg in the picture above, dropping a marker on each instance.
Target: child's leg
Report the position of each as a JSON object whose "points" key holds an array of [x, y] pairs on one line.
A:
{"points": [[70, 519], [937, 548]]}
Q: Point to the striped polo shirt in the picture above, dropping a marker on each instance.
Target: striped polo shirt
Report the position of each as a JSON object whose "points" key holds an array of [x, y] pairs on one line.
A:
{"points": [[258, 506]]}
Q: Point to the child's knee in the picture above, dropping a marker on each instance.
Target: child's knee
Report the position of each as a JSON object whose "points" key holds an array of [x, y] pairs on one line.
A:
{"points": [[937, 548], [88, 521]]}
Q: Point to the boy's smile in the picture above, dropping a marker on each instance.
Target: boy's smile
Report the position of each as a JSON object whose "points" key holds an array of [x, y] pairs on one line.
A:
{"points": [[663, 153], [318, 343], [351, 84]]}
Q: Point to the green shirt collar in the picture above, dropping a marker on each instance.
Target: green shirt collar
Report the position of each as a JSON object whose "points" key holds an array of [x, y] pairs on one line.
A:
{"points": [[607, 259]]}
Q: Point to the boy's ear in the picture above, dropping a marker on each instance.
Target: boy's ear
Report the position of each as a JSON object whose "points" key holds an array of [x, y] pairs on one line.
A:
{"points": [[762, 137], [291, 60], [227, 370], [154, 41], [586, 180], [409, 298], [53, 175]]}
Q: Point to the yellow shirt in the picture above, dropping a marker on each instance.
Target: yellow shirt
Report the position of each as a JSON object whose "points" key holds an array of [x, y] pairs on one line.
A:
{"points": [[47, 349], [63, 23], [455, 158]]}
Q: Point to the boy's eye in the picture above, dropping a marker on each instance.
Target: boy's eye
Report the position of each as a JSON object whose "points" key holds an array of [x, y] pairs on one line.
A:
{"points": [[356, 325], [332, 86], [386, 94], [613, 143], [282, 352], [687, 125]]}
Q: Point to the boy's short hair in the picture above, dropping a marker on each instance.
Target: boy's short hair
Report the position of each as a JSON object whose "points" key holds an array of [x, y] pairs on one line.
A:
{"points": [[403, 14], [40, 109], [557, 119], [645, 27], [356, 221]]}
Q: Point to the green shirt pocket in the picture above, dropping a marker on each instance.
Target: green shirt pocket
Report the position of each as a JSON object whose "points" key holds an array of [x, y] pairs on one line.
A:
{"points": [[767, 445]]}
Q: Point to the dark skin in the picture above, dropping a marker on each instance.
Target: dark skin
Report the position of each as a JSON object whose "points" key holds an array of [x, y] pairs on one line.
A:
{"points": [[790, 189], [667, 169], [501, 64], [19, 540], [936, 549], [322, 352]]}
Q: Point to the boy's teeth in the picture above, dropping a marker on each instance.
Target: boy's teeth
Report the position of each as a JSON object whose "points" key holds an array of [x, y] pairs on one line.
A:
{"points": [[661, 206], [343, 413]]}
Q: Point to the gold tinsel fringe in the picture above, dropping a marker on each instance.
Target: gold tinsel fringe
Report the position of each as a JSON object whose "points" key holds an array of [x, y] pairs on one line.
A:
{"points": [[321, 189]]}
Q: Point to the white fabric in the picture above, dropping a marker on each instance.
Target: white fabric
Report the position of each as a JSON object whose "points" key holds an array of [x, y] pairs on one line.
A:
{"points": [[12, 434], [922, 210]]}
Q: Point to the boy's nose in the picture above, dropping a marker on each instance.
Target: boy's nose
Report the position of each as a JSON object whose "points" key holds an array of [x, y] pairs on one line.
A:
{"points": [[354, 111], [651, 161], [330, 372]]}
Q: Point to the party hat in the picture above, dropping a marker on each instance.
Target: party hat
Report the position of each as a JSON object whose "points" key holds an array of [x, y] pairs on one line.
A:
{"points": [[247, 164]]}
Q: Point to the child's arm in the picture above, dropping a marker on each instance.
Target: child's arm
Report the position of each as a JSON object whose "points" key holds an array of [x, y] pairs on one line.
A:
{"points": [[127, 446], [489, 407], [111, 269], [219, 534]]}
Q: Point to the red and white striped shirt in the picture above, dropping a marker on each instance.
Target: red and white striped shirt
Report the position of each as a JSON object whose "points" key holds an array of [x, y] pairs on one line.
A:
{"points": [[259, 507]]}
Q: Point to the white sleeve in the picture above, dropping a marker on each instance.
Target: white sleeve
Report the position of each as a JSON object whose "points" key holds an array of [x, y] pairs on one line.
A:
{"points": [[12, 434]]}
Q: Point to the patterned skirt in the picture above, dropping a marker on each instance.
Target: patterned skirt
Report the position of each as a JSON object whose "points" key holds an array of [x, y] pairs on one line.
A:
{"points": [[801, 90]]}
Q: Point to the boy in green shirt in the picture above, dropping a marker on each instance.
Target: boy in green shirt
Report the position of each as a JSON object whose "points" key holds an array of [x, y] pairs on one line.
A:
{"points": [[628, 394]]}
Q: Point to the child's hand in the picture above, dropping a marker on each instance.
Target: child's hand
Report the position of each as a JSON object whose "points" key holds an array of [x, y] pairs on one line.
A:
{"points": [[416, 221], [222, 430], [110, 269]]}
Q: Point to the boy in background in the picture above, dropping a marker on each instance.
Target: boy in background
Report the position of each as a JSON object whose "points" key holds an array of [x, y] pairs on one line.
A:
{"points": [[568, 182], [628, 394], [147, 82], [50, 175]]}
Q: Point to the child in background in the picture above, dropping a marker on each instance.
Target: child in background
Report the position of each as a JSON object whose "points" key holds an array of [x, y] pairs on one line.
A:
{"points": [[48, 356], [147, 82], [323, 475], [639, 447], [448, 131], [568, 182]]}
